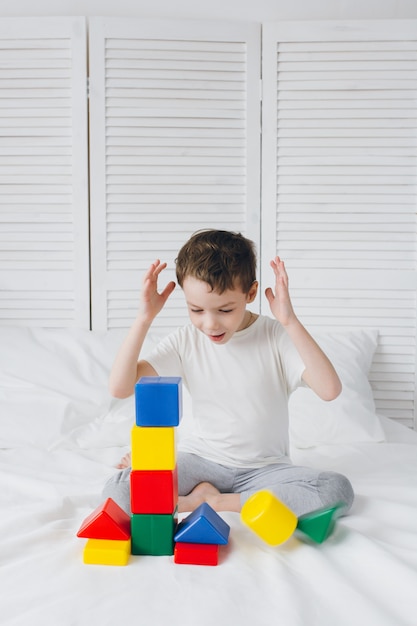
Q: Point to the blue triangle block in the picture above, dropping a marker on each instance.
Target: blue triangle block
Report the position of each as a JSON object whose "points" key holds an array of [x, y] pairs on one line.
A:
{"points": [[203, 525]]}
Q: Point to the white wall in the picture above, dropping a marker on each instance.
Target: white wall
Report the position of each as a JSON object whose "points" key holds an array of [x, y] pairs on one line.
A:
{"points": [[253, 10]]}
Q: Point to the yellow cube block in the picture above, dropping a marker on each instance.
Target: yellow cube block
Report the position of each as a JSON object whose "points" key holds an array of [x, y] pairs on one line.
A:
{"points": [[268, 517], [107, 551], [153, 448]]}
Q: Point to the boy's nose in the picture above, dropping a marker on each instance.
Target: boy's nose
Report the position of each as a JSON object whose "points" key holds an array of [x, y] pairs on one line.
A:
{"points": [[212, 323]]}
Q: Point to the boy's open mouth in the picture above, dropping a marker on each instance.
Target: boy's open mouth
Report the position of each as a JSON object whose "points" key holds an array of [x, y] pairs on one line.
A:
{"points": [[216, 338]]}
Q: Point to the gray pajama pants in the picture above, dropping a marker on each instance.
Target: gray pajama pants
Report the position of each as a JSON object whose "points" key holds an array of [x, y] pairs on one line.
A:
{"points": [[302, 489]]}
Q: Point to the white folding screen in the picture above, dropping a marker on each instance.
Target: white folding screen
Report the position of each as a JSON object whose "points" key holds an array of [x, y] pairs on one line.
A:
{"points": [[44, 243], [174, 147], [339, 184], [175, 130]]}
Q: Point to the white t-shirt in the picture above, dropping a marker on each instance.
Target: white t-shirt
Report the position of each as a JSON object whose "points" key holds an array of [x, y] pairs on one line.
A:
{"points": [[239, 391]]}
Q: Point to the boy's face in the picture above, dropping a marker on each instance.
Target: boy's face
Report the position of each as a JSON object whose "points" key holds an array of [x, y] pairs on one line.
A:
{"points": [[216, 315]]}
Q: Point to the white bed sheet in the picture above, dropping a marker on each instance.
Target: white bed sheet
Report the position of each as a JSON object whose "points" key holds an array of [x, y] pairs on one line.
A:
{"points": [[61, 436]]}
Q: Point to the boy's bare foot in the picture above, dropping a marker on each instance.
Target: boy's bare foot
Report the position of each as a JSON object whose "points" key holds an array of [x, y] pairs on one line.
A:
{"points": [[125, 461], [206, 492], [197, 496]]}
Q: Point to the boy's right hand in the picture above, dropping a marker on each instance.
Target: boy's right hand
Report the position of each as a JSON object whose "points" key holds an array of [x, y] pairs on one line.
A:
{"points": [[127, 367], [151, 300]]}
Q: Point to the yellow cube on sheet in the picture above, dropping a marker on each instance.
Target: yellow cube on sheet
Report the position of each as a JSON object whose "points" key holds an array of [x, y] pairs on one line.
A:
{"points": [[107, 552], [153, 448]]}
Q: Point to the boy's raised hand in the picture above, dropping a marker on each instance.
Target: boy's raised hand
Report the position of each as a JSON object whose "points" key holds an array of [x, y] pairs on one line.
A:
{"points": [[279, 300], [151, 300], [127, 369]]}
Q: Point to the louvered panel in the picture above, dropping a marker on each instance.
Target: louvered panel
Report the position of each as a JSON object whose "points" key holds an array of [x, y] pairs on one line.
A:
{"points": [[343, 190], [43, 173], [393, 313], [177, 126]]}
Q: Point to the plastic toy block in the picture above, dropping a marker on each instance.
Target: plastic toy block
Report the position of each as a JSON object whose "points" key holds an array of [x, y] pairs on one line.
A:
{"points": [[158, 401], [319, 524], [268, 517], [106, 552], [196, 553], [154, 491], [108, 521], [153, 448], [203, 525], [153, 534]]}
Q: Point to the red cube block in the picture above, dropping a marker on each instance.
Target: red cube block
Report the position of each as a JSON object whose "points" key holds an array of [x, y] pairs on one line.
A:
{"points": [[154, 491], [196, 553]]}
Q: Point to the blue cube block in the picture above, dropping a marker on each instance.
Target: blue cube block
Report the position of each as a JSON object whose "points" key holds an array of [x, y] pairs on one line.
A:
{"points": [[158, 401]]}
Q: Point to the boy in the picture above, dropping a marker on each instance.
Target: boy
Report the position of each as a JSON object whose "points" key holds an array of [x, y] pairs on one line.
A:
{"points": [[240, 369]]}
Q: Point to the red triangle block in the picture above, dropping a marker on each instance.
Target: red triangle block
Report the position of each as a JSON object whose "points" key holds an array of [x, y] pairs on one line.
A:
{"points": [[108, 521]]}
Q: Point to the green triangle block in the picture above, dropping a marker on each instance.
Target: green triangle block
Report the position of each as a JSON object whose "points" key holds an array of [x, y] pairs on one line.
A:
{"points": [[319, 524]]}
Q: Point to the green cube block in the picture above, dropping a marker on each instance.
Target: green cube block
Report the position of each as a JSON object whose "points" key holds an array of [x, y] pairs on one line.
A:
{"points": [[153, 534]]}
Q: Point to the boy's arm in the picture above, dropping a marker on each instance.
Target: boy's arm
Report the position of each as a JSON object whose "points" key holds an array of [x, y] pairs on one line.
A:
{"points": [[319, 373], [126, 368]]}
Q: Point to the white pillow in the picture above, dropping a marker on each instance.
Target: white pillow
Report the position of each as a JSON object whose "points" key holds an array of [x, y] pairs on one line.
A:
{"points": [[351, 417], [52, 382], [53, 389]]}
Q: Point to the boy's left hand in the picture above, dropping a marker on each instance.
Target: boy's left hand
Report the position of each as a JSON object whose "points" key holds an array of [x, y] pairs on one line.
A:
{"points": [[280, 302]]}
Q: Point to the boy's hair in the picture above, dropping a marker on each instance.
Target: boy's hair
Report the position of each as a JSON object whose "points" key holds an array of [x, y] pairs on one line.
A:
{"points": [[223, 259]]}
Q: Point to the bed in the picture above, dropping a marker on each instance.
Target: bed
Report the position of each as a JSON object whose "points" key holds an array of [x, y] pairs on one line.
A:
{"points": [[61, 436]]}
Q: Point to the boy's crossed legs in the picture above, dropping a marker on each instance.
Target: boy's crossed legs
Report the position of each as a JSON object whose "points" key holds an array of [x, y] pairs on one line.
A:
{"points": [[302, 489]]}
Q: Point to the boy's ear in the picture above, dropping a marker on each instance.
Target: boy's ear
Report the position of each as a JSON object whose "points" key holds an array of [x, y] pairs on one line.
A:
{"points": [[252, 292]]}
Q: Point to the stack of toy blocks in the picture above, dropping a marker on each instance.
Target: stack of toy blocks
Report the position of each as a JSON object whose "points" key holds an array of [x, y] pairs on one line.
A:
{"points": [[154, 479], [152, 528], [199, 536], [108, 532]]}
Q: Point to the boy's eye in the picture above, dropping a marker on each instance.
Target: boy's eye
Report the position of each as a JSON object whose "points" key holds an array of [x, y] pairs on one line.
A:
{"points": [[226, 310], [196, 310]]}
